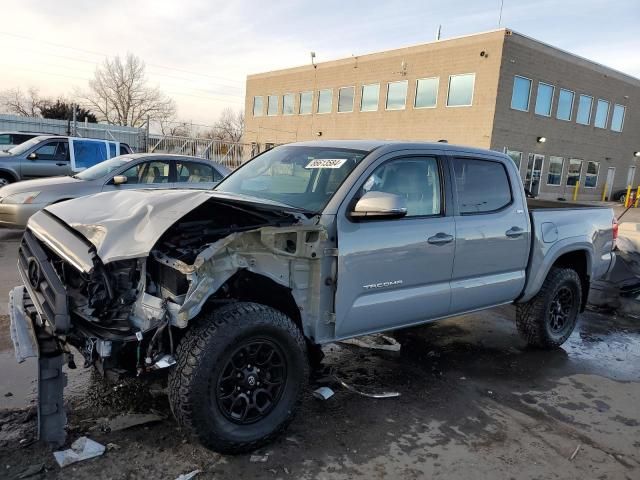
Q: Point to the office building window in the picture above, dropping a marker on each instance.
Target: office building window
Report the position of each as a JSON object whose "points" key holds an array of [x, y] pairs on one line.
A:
{"points": [[617, 118], [591, 176], [573, 174], [556, 165], [345, 99], [397, 95], [258, 106], [370, 96], [325, 100], [426, 92], [306, 103], [544, 99], [288, 104], [461, 90], [565, 105], [515, 156], [602, 114], [521, 93], [584, 110], [272, 105]]}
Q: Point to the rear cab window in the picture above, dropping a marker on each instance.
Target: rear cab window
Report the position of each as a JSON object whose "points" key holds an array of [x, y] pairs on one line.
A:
{"points": [[482, 185]]}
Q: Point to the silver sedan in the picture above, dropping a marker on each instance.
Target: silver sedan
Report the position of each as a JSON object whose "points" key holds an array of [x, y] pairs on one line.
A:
{"points": [[18, 201]]}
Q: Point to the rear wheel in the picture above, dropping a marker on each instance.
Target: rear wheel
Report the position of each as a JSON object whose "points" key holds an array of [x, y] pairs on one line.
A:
{"points": [[240, 377], [548, 319]]}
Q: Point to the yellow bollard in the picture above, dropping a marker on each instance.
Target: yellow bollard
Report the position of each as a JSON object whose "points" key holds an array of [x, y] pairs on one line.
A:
{"points": [[604, 192], [575, 191], [635, 205], [628, 197]]}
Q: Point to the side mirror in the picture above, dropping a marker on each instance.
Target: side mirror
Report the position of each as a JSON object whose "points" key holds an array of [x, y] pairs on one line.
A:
{"points": [[32, 156], [379, 205], [119, 180]]}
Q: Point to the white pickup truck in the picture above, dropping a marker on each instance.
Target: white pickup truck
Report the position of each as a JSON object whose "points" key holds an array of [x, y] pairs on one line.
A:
{"points": [[231, 291]]}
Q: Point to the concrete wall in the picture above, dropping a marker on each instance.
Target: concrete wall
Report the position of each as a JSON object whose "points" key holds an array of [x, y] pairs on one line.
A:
{"points": [[519, 130], [463, 125]]}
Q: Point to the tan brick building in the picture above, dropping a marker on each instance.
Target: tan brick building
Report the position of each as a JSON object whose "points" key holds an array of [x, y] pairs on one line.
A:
{"points": [[562, 118]]}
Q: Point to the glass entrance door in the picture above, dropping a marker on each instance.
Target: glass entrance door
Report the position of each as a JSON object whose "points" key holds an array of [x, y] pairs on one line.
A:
{"points": [[534, 173]]}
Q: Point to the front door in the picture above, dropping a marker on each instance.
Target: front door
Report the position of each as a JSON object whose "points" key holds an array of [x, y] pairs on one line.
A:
{"points": [[49, 159], [492, 235], [396, 272], [151, 174], [611, 173], [534, 173]]}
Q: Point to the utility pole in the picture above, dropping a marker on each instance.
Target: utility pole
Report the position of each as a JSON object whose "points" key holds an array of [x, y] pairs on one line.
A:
{"points": [[75, 125], [438, 32], [500, 16]]}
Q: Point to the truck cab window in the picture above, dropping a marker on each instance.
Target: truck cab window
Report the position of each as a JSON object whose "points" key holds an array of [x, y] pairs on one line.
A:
{"points": [[415, 179], [482, 186]]}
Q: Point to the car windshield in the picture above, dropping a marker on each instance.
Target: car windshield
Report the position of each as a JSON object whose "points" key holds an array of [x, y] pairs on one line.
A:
{"points": [[303, 177], [103, 168], [23, 147]]}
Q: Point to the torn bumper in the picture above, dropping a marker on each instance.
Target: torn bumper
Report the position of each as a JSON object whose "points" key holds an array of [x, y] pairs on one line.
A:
{"points": [[21, 326]]}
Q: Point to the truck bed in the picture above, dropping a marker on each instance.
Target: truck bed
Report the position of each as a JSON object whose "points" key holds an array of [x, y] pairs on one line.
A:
{"points": [[536, 204]]}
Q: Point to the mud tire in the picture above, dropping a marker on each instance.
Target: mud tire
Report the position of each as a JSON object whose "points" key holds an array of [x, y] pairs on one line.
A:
{"points": [[201, 358], [534, 318]]}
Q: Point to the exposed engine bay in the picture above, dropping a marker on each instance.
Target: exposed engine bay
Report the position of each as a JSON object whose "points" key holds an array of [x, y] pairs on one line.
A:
{"points": [[127, 312]]}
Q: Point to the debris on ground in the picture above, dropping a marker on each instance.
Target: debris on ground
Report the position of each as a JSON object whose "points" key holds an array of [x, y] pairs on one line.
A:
{"points": [[8, 394], [188, 476], [323, 393], [259, 458], [374, 342], [32, 470], [366, 394], [128, 420], [575, 452], [82, 449]]}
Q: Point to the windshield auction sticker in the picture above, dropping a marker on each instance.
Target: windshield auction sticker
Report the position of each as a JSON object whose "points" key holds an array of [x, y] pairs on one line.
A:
{"points": [[326, 163]]}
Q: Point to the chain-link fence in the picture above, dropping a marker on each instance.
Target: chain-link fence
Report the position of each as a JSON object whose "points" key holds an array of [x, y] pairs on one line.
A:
{"points": [[231, 154]]}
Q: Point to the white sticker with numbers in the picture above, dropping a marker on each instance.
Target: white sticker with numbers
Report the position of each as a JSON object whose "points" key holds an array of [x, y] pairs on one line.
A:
{"points": [[326, 163]]}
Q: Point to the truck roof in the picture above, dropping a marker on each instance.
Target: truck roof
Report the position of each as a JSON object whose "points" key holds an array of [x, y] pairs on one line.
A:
{"points": [[370, 145]]}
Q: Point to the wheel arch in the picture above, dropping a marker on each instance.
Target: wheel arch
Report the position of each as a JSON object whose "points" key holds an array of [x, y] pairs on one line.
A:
{"points": [[8, 173], [565, 254], [247, 286]]}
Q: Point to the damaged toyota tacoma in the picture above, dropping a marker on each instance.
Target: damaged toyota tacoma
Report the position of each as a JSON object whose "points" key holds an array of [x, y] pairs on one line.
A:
{"points": [[232, 291]]}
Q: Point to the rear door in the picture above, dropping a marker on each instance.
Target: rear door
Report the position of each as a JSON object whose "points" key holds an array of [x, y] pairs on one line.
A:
{"points": [[51, 159], [196, 175], [396, 272], [492, 233]]}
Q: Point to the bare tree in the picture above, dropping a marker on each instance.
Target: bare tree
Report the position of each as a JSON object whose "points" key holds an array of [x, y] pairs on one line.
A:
{"points": [[27, 104], [120, 95], [229, 127]]}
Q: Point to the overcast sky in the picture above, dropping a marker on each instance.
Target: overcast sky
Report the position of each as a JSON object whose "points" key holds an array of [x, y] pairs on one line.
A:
{"points": [[200, 51]]}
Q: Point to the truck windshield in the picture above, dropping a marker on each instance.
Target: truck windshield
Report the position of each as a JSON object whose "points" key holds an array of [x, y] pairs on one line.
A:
{"points": [[102, 168], [303, 177]]}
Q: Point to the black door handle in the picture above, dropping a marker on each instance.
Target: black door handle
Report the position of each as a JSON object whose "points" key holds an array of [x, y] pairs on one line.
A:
{"points": [[61, 164], [440, 239], [514, 232]]}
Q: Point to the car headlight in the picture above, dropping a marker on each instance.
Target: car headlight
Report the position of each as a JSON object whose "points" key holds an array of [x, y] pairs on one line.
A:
{"points": [[19, 198]]}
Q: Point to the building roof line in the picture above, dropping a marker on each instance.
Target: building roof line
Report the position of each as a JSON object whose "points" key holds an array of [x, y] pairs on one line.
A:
{"points": [[576, 56]]}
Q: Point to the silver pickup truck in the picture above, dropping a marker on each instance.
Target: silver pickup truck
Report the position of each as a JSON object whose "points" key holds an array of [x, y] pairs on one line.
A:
{"points": [[232, 291]]}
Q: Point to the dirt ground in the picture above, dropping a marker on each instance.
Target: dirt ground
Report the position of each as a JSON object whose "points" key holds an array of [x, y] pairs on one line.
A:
{"points": [[475, 403]]}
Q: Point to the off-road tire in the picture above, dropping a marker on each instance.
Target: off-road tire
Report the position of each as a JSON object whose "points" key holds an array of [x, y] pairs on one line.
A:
{"points": [[201, 357], [533, 318]]}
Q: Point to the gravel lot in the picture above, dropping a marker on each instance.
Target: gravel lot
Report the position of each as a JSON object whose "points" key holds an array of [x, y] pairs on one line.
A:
{"points": [[475, 403]]}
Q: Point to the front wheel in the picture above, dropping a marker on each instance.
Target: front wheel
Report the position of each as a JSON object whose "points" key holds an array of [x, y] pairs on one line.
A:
{"points": [[548, 319], [240, 377]]}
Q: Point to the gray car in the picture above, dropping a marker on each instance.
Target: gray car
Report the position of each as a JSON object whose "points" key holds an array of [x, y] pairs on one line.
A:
{"points": [[18, 201]]}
